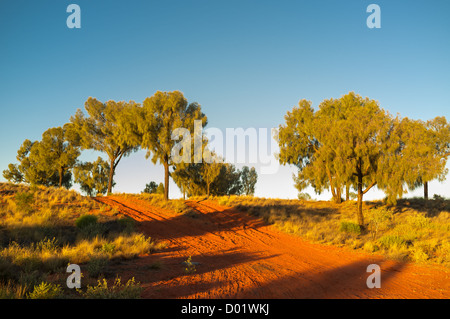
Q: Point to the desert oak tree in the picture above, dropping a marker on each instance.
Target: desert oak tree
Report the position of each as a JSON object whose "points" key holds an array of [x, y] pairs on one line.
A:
{"points": [[159, 116], [110, 127], [349, 141], [46, 162]]}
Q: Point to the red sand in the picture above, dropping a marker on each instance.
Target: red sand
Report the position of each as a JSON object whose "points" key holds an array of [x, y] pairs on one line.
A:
{"points": [[241, 257]]}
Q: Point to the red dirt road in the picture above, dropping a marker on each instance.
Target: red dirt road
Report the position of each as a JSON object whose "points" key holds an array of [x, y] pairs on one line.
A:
{"points": [[239, 256]]}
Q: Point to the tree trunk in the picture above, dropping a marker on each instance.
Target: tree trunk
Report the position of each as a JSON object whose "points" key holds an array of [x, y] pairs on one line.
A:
{"points": [[332, 189], [166, 179], [111, 175], [425, 190], [61, 174], [347, 192], [338, 199], [360, 198], [207, 189]]}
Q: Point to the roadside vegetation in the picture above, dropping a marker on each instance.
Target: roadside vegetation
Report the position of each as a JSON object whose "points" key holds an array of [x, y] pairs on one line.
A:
{"points": [[415, 230], [43, 229]]}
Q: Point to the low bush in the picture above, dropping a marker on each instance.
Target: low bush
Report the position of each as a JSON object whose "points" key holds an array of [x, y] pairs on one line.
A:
{"points": [[86, 221], [131, 290], [350, 227], [97, 266], [46, 291]]}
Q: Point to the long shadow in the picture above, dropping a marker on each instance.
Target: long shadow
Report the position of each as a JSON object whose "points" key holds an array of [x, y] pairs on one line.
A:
{"points": [[431, 207], [206, 220], [347, 281], [171, 280], [185, 225]]}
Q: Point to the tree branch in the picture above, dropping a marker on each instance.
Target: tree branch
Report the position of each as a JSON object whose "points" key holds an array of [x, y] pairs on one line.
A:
{"points": [[369, 187]]}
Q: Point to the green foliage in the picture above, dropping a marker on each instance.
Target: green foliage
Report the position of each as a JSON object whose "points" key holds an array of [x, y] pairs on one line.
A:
{"points": [[379, 220], [47, 162], [249, 177], [351, 141], [127, 224], [160, 189], [389, 241], [350, 227], [150, 188], [108, 248], [13, 174], [46, 291], [131, 290], [97, 266], [190, 267], [153, 188], [110, 128], [48, 245], [191, 179], [93, 177], [85, 221], [210, 172], [24, 201], [304, 196]]}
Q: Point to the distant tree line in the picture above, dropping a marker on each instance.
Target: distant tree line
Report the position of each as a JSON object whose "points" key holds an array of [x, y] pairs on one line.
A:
{"points": [[118, 129]]}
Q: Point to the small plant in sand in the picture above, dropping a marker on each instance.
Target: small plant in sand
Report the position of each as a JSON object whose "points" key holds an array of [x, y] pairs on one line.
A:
{"points": [[190, 266]]}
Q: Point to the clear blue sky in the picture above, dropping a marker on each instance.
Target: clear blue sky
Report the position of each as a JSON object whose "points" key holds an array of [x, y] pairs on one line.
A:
{"points": [[246, 62]]}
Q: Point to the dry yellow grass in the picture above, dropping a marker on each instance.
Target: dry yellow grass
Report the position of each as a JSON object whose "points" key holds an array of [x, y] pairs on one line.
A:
{"points": [[39, 235]]}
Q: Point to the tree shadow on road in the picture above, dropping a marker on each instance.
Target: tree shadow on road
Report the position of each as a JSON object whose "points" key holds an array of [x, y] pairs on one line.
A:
{"points": [[347, 281], [172, 280]]}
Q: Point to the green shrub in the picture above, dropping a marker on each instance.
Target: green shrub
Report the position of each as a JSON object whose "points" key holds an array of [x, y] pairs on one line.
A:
{"points": [[30, 279], [50, 245], [389, 241], [379, 220], [108, 248], [349, 227], [23, 201], [127, 224], [86, 221], [131, 290], [97, 267], [46, 291], [89, 226], [190, 266], [304, 196]]}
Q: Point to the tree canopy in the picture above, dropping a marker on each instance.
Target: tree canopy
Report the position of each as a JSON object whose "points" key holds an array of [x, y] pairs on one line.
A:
{"points": [[110, 127], [249, 177], [47, 162], [93, 177]]}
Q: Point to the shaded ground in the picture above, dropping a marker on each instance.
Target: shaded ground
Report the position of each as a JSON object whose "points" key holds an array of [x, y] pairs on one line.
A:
{"points": [[239, 256]]}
